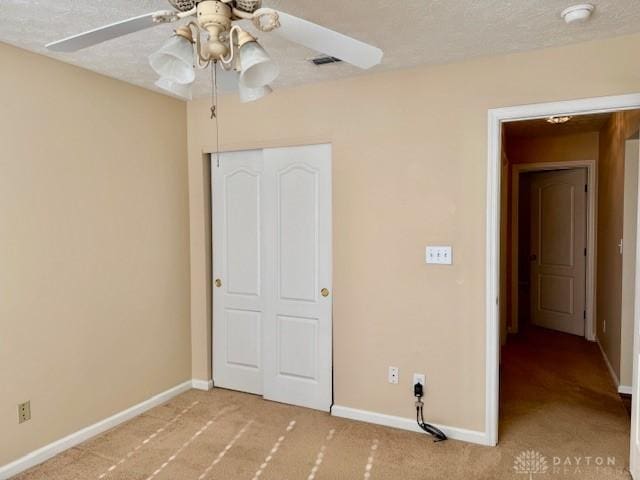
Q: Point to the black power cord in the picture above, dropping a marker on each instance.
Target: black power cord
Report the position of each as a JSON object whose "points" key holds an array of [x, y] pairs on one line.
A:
{"points": [[437, 434]]}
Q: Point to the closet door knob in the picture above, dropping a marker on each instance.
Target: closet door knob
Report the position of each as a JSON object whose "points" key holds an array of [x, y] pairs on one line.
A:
{"points": [[218, 282], [324, 292]]}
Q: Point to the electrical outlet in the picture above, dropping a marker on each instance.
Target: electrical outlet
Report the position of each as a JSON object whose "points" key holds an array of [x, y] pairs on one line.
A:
{"points": [[394, 374], [24, 412], [419, 378]]}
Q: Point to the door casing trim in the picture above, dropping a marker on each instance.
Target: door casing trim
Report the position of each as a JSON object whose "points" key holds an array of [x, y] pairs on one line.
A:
{"points": [[495, 118]]}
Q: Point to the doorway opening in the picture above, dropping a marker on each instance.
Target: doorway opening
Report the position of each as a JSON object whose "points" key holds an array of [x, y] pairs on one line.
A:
{"points": [[567, 207]]}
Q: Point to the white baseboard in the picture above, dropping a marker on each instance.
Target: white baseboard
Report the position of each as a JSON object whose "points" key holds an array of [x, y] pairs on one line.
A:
{"points": [[625, 389], [402, 423], [205, 385], [614, 377], [42, 454]]}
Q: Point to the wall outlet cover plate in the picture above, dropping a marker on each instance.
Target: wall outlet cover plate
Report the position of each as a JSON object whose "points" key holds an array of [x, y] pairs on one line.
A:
{"points": [[394, 374]]}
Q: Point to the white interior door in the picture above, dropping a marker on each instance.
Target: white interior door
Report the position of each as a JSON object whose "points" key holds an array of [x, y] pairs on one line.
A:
{"points": [[297, 355], [238, 270], [558, 244]]}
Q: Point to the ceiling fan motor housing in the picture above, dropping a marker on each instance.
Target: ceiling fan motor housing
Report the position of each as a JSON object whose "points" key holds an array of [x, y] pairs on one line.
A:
{"points": [[249, 6], [183, 5], [215, 18]]}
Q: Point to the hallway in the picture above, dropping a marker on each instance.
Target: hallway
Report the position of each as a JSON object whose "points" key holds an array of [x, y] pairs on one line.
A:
{"points": [[558, 399]]}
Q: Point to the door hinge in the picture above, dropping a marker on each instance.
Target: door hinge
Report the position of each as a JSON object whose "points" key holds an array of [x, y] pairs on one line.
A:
{"points": [[586, 188], [584, 314], [585, 251]]}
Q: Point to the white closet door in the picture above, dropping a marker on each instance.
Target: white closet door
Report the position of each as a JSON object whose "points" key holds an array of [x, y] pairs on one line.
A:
{"points": [[297, 347], [238, 270]]}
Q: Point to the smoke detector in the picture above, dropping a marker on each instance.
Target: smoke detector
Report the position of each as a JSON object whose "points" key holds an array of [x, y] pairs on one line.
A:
{"points": [[578, 13]]}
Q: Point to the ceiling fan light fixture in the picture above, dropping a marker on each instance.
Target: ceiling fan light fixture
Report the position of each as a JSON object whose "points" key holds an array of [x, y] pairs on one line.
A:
{"points": [[252, 94], [257, 68], [178, 89], [211, 35], [175, 60]]}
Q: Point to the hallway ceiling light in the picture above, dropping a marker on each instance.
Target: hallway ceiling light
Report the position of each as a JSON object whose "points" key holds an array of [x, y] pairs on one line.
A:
{"points": [[577, 13], [559, 119], [213, 35]]}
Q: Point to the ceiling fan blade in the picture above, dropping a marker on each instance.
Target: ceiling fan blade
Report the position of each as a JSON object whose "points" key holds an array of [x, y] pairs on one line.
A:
{"points": [[327, 41], [109, 32]]}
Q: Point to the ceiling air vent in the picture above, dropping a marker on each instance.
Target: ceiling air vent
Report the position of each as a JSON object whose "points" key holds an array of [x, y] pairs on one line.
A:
{"points": [[324, 60]]}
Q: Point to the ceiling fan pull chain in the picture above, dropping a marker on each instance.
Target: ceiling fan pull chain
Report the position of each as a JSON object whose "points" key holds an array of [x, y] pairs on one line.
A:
{"points": [[214, 99]]}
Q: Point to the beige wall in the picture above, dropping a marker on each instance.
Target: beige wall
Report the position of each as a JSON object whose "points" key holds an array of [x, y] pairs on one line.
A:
{"points": [[611, 183], [410, 155], [94, 283]]}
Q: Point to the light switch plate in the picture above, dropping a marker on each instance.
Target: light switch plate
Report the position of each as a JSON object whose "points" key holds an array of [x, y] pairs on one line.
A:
{"points": [[439, 255]]}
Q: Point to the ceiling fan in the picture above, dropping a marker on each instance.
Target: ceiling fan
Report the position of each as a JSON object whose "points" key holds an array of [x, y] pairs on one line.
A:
{"points": [[215, 36]]}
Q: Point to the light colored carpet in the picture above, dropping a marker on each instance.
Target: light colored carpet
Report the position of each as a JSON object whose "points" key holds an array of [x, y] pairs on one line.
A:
{"points": [[557, 400]]}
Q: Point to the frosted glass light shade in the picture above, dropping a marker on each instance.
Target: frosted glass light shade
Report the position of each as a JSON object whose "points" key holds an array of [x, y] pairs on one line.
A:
{"points": [[174, 60], [257, 68], [251, 94], [179, 89]]}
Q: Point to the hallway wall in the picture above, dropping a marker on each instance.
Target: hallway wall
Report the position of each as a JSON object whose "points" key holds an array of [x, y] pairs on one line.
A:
{"points": [[629, 232], [554, 148], [611, 181]]}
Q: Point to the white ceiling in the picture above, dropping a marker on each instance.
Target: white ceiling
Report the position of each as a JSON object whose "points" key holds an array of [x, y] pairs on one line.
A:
{"points": [[411, 32]]}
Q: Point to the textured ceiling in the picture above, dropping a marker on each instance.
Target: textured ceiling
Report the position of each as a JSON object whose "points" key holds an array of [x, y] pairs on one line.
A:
{"points": [[411, 32]]}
